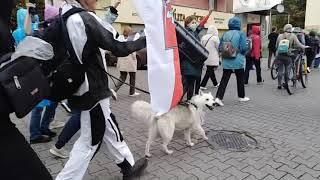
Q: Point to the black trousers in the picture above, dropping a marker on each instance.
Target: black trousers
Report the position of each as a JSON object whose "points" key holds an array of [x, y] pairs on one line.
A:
{"points": [[249, 62], [271, 53], [191, 85], [123, 77], [225, 79], [310, 57], [209, 74], [17, 158]]}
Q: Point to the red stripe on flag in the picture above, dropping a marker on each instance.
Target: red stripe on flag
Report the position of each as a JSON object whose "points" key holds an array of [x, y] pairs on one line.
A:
{"points": [[178, 89]]}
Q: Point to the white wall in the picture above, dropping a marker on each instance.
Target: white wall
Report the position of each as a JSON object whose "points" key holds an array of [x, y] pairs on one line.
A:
{"points": [[312, 20]]}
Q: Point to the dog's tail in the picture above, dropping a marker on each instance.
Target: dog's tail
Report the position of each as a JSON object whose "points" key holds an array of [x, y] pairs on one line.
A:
{"points": [[141, 110]]}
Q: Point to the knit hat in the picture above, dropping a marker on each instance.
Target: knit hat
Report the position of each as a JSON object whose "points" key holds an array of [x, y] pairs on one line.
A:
{"points": [[50, 12], [287, 28]]}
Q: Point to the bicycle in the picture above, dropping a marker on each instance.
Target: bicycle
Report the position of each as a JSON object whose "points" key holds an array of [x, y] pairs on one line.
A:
{"points": [[274, 69], [297, 72]]}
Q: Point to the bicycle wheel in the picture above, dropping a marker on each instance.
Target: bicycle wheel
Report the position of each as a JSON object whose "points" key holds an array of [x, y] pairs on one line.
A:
{"points": [[303, 75], [274, 70], [290, 82]]}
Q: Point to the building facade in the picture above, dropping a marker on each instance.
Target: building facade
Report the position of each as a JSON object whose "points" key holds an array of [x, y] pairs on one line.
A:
{"points": [[128, 16], [312, 21], [182, 8]]}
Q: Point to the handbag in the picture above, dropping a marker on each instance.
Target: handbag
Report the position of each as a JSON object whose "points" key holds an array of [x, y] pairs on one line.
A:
{"points": [[24, 84]]}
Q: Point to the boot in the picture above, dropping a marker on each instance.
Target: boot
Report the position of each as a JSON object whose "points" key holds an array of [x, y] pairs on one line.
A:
{"points": [[129, 172]]}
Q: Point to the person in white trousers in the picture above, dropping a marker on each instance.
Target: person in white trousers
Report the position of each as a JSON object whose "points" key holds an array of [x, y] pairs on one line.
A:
{"points": [[87, 34]]}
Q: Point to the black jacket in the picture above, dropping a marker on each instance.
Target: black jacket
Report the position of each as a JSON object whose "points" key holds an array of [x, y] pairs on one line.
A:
{"points": [[87, 34]]}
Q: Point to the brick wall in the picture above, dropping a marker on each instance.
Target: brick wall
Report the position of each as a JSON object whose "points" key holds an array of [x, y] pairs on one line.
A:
{"points": [[201, 4]]}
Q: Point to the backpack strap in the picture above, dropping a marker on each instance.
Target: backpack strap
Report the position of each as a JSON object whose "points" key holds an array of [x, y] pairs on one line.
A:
{"points": [[208, 41], [65, 34]]}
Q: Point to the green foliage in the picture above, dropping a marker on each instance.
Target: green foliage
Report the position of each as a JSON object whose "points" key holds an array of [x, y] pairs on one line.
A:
{"points": [[296, 9]]}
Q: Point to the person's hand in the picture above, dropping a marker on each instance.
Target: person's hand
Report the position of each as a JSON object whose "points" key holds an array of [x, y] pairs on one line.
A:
{"points": [[30, 5], [116, 4], [210, 12]]}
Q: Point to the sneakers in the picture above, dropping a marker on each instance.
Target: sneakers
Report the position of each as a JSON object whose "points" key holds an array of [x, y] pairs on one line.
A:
{"points": [[218, 102], [259, 83], [40, 139], [216, 86], [279, 87], [308, 70], [56, 124], [61, 153], [114, 94], [136, 170], [203, 88], [135, 94], [245, 99]]}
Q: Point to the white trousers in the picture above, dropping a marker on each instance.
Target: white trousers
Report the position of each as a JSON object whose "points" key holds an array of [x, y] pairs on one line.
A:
{"points": [[92, 132]]}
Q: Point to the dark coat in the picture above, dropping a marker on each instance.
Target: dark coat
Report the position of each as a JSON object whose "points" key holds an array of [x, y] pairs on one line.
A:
{"points": [[187, 68]]}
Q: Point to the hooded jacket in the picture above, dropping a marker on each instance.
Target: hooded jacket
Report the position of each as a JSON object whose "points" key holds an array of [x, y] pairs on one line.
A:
{"points": [[19, 34], [211, 42], [88, 33], [256, 43], [293, 40], [238, 39]]}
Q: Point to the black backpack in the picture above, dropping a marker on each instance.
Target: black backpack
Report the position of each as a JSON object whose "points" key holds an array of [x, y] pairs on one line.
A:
{"points": [[65, 73], [26, 81]]}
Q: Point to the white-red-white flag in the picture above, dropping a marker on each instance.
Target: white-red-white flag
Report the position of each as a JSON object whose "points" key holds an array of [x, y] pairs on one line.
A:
{"points": [[164, 75]]}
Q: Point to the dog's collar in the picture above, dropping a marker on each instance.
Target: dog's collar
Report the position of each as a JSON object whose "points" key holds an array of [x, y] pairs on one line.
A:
{"points": [[186, 103], [193, 105]]}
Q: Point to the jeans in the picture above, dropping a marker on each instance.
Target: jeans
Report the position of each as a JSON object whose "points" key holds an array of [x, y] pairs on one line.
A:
{"points": [[317, 62], [284, 66], [123, 77], [39, 125], [257, 64], [209, 74], [70, 129], [225, 79], [191, 85]]}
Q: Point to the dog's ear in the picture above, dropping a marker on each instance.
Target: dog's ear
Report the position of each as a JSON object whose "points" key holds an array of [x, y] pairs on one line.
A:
{"points": [[200, 92]]}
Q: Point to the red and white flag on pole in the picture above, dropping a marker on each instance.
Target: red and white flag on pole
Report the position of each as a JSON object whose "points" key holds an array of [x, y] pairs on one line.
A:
{"points": [[164, 75]]}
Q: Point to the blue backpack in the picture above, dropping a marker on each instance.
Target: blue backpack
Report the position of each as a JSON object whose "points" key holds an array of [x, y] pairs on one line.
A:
{"points": [[283, 47]]}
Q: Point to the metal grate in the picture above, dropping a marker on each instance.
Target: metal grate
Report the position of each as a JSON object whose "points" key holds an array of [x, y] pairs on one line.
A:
{"points": [[232, 140]]}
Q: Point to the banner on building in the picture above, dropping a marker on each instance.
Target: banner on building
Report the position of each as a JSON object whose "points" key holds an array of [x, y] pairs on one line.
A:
{"points": [[242, 6], [164, 76]]}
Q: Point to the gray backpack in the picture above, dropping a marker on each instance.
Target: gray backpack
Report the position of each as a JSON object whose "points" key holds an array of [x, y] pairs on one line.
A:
{"points": [[227, 49]]}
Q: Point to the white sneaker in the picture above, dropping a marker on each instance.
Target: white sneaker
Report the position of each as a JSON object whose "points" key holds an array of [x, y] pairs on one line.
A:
{"points": [[218, 102], [217, 85], [135, 94], [308, 70], [55, 124], [245, 99], [61, 153], [203, 88]]}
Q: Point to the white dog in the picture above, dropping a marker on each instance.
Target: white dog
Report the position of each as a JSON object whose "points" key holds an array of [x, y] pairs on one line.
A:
{"points": [[182, 117]]}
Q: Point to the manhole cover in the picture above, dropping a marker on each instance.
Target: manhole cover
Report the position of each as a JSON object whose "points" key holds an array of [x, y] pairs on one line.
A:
{"points": [[232, 140]]}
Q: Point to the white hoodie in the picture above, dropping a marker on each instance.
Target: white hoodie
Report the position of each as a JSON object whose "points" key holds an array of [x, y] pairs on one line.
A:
{"points": [[211, 42]]}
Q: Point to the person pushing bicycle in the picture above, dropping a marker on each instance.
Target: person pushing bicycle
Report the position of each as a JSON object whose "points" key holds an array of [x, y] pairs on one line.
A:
{"points": [[285, 45]]}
